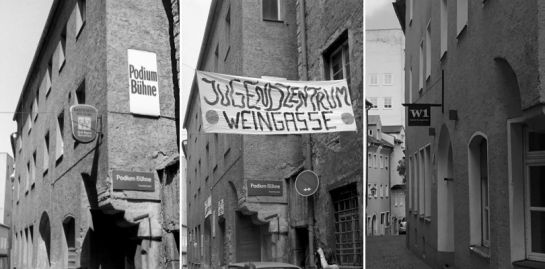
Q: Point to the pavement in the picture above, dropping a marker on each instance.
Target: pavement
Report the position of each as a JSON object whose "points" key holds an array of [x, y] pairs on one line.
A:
{"points": [[390, 252]]}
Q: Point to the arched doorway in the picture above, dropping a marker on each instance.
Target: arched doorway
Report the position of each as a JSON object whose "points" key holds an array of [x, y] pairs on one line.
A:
{"points": [[445, 193]]}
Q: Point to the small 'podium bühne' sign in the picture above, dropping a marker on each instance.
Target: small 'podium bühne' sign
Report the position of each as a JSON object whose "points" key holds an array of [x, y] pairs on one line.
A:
{"points": [[134, 181], [264, 187], [419, 114], [84, 122]]}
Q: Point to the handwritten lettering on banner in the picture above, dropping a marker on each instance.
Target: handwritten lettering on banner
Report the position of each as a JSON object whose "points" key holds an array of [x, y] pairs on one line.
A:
{"points": [[243, 105]]}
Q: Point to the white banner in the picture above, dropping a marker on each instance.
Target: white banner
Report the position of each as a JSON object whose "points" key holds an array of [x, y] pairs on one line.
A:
{"points": [[143, 83], [243, 105]]}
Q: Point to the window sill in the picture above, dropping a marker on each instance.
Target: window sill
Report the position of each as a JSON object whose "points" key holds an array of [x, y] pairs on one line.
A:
{"points": [[461, 33], [529, 264], [481, 251], [443, 56], [273, 20], [80, 30], [62, 66], [59, 160]]}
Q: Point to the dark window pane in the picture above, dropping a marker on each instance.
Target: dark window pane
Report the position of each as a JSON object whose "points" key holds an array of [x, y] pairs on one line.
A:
{"points": [[270, 10], [537, 186], [538, 231], [536, 141]]}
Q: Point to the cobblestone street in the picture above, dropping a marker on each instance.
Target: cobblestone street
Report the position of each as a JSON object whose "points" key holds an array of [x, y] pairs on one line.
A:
{"points": [[389, 252]]}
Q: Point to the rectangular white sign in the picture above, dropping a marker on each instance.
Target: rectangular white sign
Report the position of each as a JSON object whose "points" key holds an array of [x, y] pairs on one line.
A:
{"points": [[143, 83], [243, 105]]}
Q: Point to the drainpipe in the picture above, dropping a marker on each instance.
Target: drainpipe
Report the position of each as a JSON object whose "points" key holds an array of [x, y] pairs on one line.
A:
{"points": [[308, 161]]}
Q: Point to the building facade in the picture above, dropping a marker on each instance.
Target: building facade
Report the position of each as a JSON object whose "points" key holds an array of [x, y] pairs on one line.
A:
{"points": [[385, 60], [226, 224], [330, 38], [6, 171], [69, 209], [475, 174], [385, 195]]}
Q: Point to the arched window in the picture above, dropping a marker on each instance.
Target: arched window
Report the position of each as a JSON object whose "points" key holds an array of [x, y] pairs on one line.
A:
{"points": [[479, 209], [44, 244]]}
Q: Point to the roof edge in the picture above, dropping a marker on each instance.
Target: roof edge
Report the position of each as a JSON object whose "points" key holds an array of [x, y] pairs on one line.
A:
{"points": [[204, 44], [39, 48]]}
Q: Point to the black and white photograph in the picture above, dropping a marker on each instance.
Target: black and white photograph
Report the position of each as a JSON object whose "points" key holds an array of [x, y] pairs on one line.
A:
{"points": [[89, 136], [455, 145], [272, 112]]}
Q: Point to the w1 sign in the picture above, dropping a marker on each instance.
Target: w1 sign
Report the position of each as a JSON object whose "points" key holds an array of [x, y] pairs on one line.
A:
{"points": [[243, 105]]}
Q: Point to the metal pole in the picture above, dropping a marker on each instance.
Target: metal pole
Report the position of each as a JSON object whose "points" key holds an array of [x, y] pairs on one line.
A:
{"points": [[311, 232]]}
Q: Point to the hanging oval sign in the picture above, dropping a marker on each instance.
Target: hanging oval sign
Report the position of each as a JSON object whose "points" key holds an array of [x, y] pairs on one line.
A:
{"points": [[307, 183], [84, 122]]}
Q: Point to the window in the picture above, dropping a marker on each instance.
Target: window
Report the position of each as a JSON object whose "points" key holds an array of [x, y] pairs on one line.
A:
{"points": [[59, 148], [338, 60], [35, 108], [27, 178], [461, 15], [421, 182], [80, 16], [372, 191], [348, 228], [410, 4], [62, 50], [428, 50], [30, 244], [29, 122], [228, 26], [387, 102], [216, 59], [271, 10], [373, 79], [386, 162], [80, 93], [444, 27], [33, 169], [427, 180], [387, 79], [411, 84], [18, 187], [47, 78], [479, 210], [45, 165], [373, 101], [421, 67], [375, 163], [369, 160], [534, 199]]}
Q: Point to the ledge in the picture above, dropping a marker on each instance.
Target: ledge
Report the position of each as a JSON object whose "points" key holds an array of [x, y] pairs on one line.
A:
{"points": [[529, 264], [481, 251]]}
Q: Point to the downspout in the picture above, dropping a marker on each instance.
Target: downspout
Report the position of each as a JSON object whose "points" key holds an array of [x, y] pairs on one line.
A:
{"points": [[308, 160]]}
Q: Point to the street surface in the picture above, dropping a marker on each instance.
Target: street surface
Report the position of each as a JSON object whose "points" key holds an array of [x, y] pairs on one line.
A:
{"points": [[390, 252]]}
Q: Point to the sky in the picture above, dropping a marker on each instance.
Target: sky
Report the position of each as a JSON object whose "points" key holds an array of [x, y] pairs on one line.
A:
{"points": [[193, 21], [380, 14], [22, 21]]}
